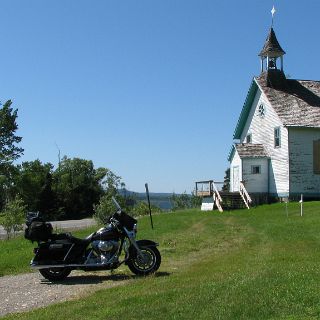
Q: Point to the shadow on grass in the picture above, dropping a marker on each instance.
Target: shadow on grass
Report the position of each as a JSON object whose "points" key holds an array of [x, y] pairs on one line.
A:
{"points": [[95, 279]]}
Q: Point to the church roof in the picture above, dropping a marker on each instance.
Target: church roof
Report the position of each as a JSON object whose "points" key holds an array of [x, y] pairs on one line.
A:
{"points": [[271, 46], [296, 102], [250, 150]]}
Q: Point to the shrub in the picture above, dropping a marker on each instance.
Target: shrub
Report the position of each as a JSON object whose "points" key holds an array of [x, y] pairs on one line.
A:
{"points": [[185, 201], [13, 216], [142, 209], [106, 207]]}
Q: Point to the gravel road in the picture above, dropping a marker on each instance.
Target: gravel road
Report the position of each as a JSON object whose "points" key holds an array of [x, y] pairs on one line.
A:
{"points": [[28, 291], [64, 225]]}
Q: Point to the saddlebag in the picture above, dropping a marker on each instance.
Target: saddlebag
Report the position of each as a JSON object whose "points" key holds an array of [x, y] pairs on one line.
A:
{"points": [[57, 252], [38, 231]]}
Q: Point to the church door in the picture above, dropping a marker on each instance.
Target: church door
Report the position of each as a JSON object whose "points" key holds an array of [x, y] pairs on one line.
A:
{"points": [[235, 179]]}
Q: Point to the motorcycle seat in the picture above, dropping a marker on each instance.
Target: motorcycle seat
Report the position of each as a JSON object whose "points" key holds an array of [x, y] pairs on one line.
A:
{"points": [[86, 240], [68, 236]]}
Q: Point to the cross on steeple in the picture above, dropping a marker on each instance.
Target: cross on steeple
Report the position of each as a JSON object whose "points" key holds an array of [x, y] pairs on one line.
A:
{"points": [[273, 11]]}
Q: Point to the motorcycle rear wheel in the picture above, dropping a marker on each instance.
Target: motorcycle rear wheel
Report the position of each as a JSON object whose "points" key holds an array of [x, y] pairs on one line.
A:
{"points": [[150, 262], [55, 274]]}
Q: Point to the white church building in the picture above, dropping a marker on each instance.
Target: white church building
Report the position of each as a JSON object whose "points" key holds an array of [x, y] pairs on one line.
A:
{"points": [[277, 137]]}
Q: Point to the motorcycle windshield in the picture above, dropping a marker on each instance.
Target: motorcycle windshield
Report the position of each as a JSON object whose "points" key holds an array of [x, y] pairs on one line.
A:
{"points": [[126, 220]]}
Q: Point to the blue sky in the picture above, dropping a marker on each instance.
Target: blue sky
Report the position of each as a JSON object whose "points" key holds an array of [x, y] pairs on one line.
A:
{"points": [[149, 89]]}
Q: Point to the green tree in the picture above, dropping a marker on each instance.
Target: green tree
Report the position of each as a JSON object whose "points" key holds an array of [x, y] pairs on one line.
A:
{"points": [[13, 216], [106, 207], [49, 205], [181, 201], [185, 201], [195, 201], [9, 151], [226, 180], [34, 177], [142, 209], [79, 186]]}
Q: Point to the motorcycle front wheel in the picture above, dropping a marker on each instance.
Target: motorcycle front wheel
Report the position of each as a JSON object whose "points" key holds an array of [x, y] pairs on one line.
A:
{"points": [[55, 274], [146, 264]]}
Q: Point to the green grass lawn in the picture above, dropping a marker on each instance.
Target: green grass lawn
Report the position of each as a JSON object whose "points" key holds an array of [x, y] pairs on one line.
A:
{"points": [[245, 264]]}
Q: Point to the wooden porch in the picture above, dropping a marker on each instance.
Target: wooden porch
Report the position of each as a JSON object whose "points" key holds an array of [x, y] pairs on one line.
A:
{"points": [[222, 200]]}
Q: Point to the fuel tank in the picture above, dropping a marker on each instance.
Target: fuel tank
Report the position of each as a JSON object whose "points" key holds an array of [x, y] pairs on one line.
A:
{"points": [[106, 233]]}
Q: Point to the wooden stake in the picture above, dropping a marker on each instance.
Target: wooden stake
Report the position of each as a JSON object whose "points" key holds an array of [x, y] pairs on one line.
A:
{"points": [[147, 191]]}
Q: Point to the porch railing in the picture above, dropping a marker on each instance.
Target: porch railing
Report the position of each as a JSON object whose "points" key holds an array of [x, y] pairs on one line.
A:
{"points": [[245, 195], [217, 197]]}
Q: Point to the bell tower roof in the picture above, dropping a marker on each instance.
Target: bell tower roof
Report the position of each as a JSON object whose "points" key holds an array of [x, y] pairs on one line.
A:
{"points": [[271, 47]]}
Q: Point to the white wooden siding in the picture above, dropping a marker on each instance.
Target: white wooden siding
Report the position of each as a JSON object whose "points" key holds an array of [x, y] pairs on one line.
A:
{"points": [[262, 130], [235, 162], [302, 178], [255, 182]]}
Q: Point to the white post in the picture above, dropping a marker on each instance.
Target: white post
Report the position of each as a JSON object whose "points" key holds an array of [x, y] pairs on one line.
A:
{"points": [[287, 211], [301, 205]]}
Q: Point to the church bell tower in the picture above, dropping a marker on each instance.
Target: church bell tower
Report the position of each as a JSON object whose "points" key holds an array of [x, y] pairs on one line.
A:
{"points": [[271, 57], [271, 53]]}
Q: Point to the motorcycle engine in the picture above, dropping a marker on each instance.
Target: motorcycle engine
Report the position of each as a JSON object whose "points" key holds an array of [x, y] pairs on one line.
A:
{"points": [[106, 250]]}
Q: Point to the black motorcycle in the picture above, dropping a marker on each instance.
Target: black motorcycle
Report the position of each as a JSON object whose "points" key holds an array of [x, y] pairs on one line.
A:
{"points": [[58, 254]]}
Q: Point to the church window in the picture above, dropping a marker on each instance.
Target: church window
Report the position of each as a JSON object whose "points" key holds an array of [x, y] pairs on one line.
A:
{"points": [[262, 110], [255, 169], [277, 142]]}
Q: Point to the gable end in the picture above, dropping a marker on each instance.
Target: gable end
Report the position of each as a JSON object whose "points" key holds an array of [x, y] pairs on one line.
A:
{"points": [[245, 110]]}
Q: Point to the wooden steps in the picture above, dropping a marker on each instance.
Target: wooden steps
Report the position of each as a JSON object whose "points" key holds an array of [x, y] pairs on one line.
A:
{"points": [[232, 200]]}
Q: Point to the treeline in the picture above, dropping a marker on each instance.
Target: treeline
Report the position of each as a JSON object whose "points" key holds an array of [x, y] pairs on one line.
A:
{"points": [[67, 192]]}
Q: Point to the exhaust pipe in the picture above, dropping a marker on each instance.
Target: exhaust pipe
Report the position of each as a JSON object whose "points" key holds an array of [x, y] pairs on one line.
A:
{"points": [[73, 266], [51, 266], [48, 266]]}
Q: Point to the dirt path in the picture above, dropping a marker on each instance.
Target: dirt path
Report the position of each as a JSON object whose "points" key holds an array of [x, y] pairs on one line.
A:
{"points": [[28, 291]]}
